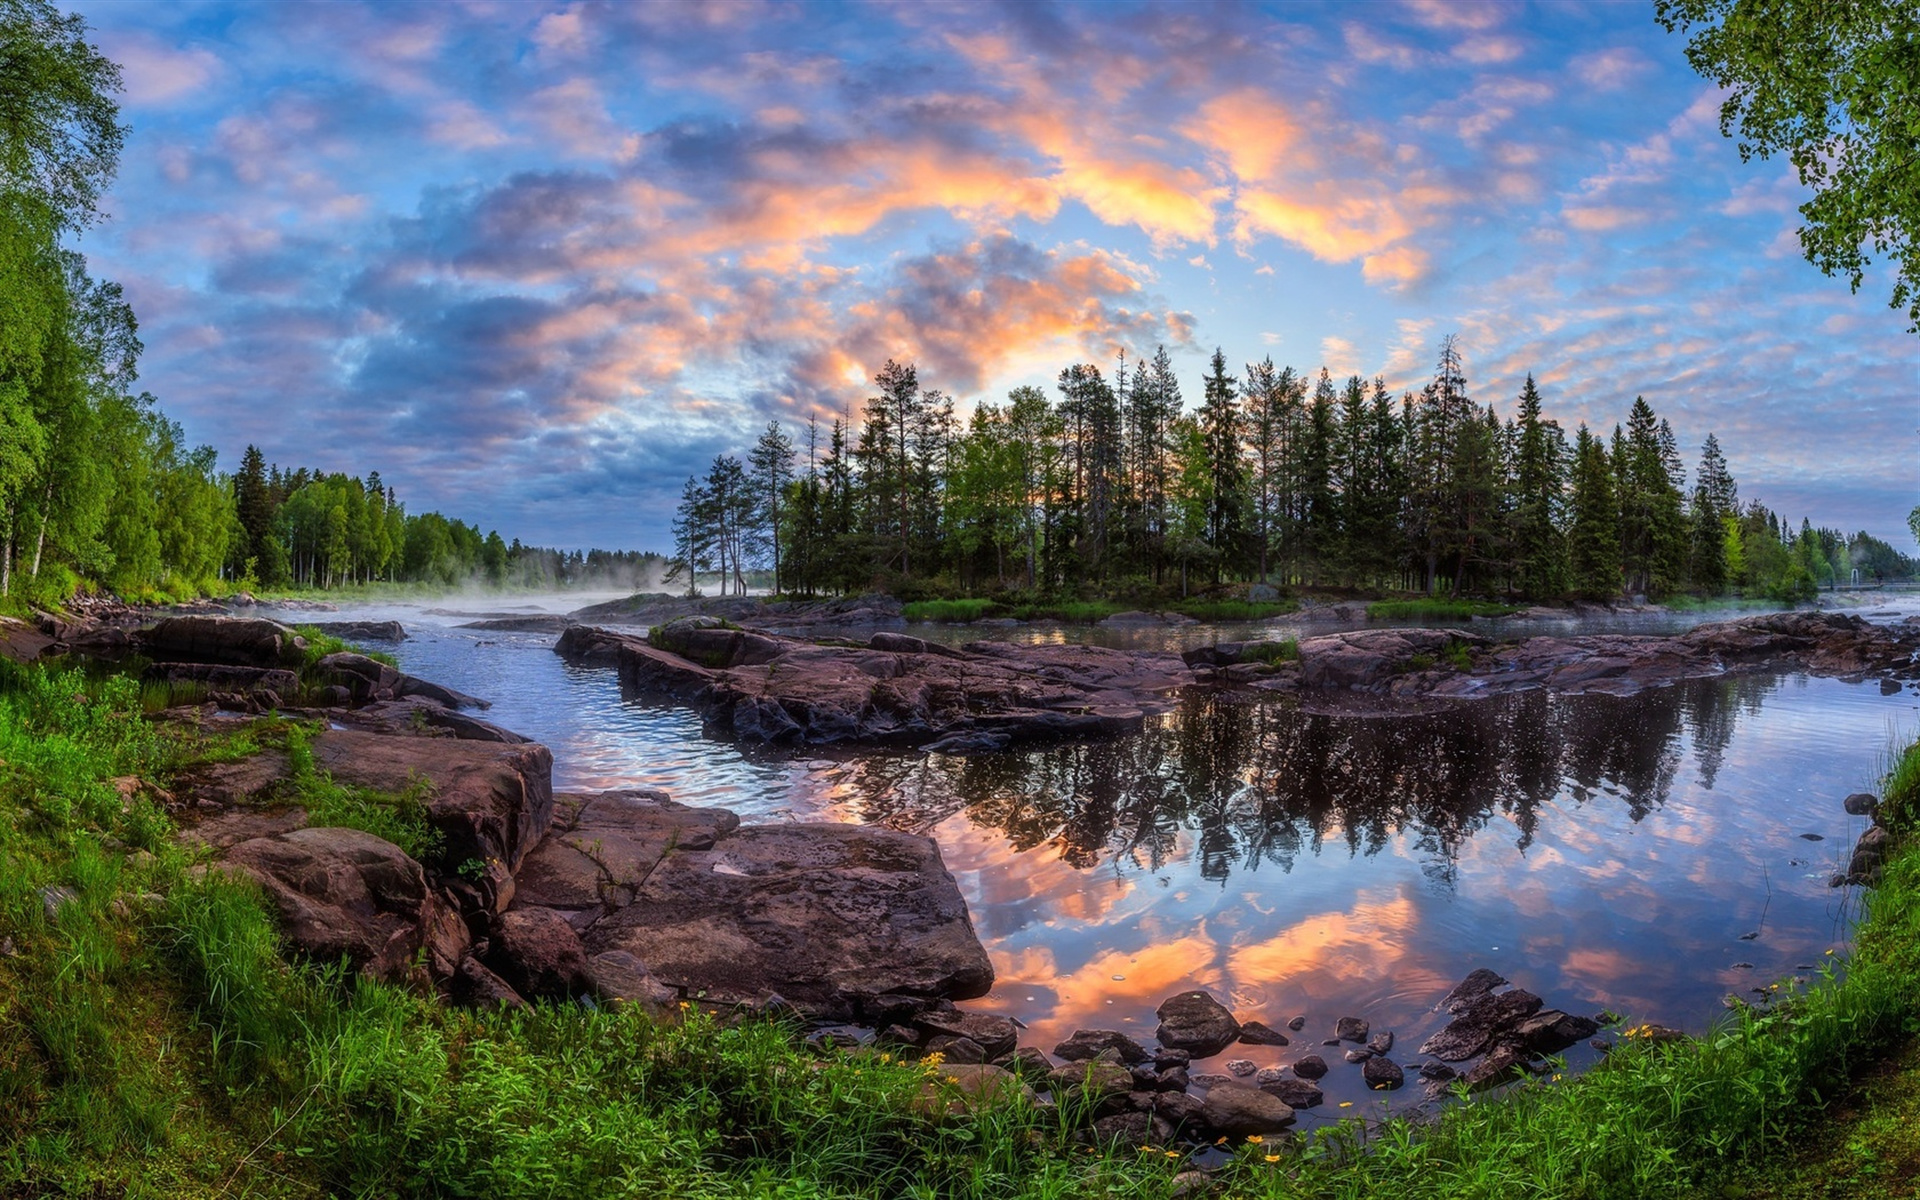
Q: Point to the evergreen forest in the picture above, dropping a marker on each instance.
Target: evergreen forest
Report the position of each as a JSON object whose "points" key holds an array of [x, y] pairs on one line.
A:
{"points": [[1278, 477]]}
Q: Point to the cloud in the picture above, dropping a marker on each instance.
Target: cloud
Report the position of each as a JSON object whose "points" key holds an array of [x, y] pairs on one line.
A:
{"points": [[155, 73], [1610, 69]]}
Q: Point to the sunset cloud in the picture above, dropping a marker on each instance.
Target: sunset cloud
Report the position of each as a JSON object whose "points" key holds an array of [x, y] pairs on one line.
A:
{"points": [[537, 262]]}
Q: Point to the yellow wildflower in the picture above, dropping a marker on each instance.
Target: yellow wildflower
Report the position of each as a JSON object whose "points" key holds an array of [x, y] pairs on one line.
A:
{"points": [[1173, 1154], [1273, 1158], [1254, 1139], [1346, 1104]]}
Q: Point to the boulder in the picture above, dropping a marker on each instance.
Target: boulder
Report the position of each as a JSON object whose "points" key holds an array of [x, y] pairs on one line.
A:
{"points": [[343, 893], [1382, 1074], [588, 645], [1254, 1033], [1479, 1021], [236, 641], [261, 687], [474, 986], [367, 678], [1089, 1043], [1550, 1031], [620, 978], [363, 631], [825, 914], [489, 802], [955, 1089], [1129, 1129], [1234, 1110], [996, 1036], [1478, 983], [1311, 1066], [1350, 1029], [539, 955], [1862, 804], [1197, 1023], [1295, 1093], [414, 716], [1089, 1083]]}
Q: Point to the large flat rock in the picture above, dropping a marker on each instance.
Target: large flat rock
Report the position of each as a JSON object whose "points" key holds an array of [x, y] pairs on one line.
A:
{"points": [[602, 848], [821, 914], [895, 689]]}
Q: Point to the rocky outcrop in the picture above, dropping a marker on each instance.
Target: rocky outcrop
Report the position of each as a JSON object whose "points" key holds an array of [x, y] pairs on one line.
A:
{"points": [[235, 641], [894, 689], [363, 631], [1437, 664], [602, 848], [345, 894], [825, 915], [252, 688], [1505, 1030]]}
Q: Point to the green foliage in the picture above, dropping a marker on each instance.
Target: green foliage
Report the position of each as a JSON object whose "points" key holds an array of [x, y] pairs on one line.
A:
{"points": [[948, 610], [320, 644], [400, 818], [1270, 653], [1436, 609], [1833, 87]]}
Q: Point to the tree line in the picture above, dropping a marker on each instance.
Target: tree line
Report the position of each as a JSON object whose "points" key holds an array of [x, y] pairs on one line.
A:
{"points": [[1277, 476]]}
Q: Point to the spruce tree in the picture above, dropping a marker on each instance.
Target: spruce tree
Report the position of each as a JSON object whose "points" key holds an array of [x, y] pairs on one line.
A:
{"points": [[1593, 538], [1540, 473], [1220, 426]]}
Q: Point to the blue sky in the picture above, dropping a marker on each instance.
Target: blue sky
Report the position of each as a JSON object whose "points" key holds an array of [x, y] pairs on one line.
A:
{"points": [[536, 263]]}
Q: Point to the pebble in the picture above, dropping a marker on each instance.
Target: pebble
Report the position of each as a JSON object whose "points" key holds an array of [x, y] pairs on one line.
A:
{"points": [[1241, 1067]]}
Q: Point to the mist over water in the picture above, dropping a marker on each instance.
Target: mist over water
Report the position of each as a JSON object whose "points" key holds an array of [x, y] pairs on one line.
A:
{"points": [[1603, 852]]}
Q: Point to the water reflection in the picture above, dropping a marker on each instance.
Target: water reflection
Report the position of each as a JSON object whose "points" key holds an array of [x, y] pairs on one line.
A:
{"points": [[1237, 783]]}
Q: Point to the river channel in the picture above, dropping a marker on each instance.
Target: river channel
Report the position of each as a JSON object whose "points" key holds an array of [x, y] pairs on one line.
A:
{"points": [[1648, 855]]}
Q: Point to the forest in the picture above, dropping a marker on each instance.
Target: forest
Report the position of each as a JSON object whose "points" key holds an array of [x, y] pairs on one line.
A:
{"points": [[1278, 477]]}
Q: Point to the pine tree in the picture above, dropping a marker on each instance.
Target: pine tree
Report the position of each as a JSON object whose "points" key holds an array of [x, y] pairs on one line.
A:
{"points": [[1593, 539], [1220, 426], [1539, 549], [771, 460]]}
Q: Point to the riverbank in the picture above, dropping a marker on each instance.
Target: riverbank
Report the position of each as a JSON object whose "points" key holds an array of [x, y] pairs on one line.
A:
{"points": [[155, 1039]]}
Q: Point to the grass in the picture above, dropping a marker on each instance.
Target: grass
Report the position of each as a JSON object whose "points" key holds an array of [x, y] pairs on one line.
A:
{"points": [[155, 1041], [319, 645], [1087, 612], [1437, 608]]}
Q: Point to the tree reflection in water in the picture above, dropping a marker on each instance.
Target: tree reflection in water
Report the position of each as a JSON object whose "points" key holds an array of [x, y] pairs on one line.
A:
{"points": [[1247, 781]]}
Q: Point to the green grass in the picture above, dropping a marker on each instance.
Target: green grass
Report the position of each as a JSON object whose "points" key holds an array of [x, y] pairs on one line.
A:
{"points": [[155, 1041], [1287, 650], [1233, 610], [319, 645], [1719, 604], [947, 610], [1437, 608]]}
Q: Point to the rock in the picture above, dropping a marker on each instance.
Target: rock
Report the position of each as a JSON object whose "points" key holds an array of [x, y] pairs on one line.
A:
{"points": [[1869, 854], [530, 623], [600, 847], [1240, 1068], [1235, 1111], [1178, 1109], [366, 679], [1207, 1079], [1358, 1056], [1188, 1184], [54, 898], [896, 689], [1089, 1083], [413, 685], [1133, 1129], [839, 1037], [1382, 1074], [1030, 1063], [1262, 593], [1478, 983], [539, 955], [620, 978], [1171, 1058], [1380, 1043], [1295, 1093], [995, 1035], [1350, 1029], [474, 986], [1862, 804], [1551, 1031], [1296, 1024], [1311, 1066], [1496, 1068], [363, 631], [827, 914], [342, 893], [1437, 1072], [956, 1049], [1469, 1033], [414, 716], [1088, 1043], [489, 802], [1197, 1023], [261, 687], [1253, 1033], [955, 1089], [236, 641]]}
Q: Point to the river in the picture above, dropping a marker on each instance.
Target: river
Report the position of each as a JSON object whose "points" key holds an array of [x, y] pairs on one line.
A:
{"points": [[1649, 855]]}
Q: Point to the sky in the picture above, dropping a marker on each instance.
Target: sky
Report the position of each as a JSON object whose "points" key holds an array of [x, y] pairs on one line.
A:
{"points": [[538, 263]]}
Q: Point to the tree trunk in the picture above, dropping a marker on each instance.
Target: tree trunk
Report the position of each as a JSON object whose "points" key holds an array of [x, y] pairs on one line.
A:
{"points": [[40, 540]]}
